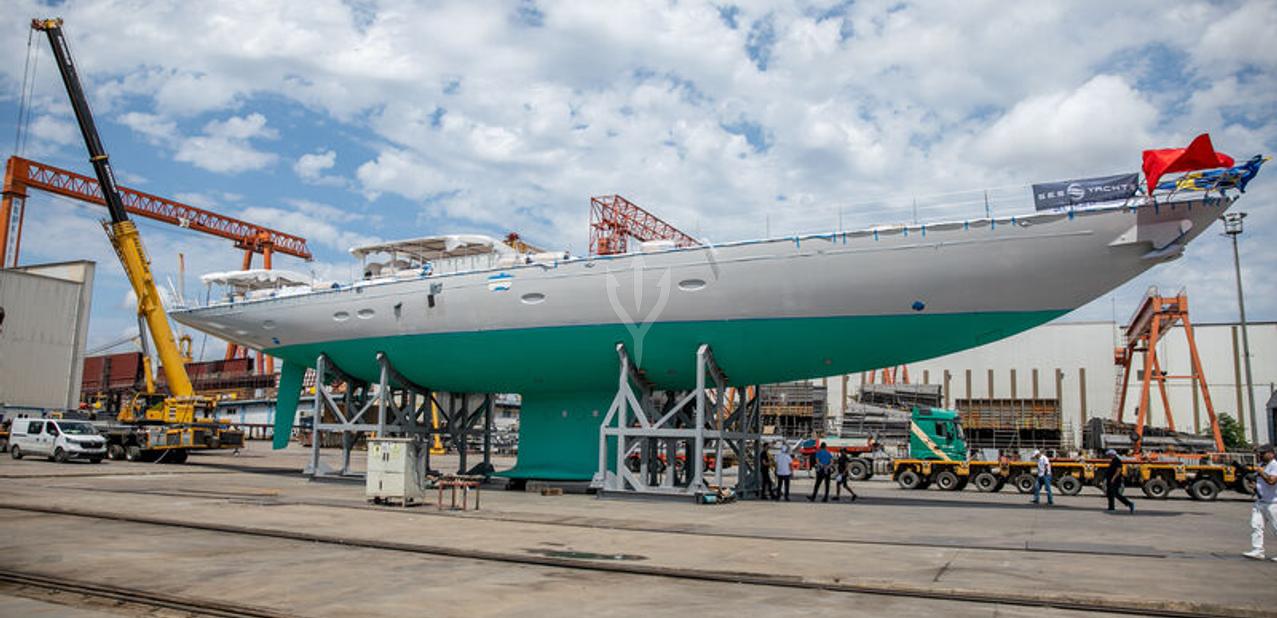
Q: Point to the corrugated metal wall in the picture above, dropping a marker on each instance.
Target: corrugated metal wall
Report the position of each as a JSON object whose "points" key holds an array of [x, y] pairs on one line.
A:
{"points": [[46, 314]]}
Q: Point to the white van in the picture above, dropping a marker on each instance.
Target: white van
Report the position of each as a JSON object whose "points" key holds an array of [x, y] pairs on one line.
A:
{"points": [[57, 439]]}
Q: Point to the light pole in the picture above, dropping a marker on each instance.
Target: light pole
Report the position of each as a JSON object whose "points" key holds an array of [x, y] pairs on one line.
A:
{"points": [[1233, 228]]}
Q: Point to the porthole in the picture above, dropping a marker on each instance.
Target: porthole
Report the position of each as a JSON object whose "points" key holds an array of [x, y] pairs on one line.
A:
{"points": [[691, 285], [365, 313], [532, 298], [341, 316]]}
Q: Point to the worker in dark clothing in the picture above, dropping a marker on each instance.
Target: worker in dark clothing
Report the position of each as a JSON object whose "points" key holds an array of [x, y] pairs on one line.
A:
{"points": [[1114, 480], [843, 463], [764, 473], [824, 469]]}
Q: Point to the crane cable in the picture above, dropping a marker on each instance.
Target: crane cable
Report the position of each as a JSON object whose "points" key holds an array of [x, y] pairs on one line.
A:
{"points": [[23, 129]]}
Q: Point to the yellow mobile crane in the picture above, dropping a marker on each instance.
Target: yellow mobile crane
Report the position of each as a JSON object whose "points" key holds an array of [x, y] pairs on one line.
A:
{"points": [[155, 426]]}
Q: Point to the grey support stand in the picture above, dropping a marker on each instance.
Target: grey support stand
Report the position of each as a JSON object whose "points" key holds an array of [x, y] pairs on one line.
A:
{"points": [[402, 408], [658, 443]]}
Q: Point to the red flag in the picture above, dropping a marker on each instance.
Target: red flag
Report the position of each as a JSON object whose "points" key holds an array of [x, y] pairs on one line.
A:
{"points": [[1199, 155]]}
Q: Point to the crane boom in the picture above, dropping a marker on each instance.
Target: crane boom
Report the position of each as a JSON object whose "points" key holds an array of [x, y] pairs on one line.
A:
{"points": [[122, 232]]}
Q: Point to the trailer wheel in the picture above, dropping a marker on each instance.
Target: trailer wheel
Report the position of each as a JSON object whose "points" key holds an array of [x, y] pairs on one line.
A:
{"points": [[115, 452], [908, 479], [1024, 482], [133, 452], [1156, 488], [1203, 489], [858, 470], [1070, 485], [15, 452], [946, 480], [986, 482], [1248, 483]]}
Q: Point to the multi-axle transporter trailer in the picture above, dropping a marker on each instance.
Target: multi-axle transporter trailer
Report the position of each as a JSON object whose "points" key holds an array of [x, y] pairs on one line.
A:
{"points": [[937, 451], [1156, 479]]}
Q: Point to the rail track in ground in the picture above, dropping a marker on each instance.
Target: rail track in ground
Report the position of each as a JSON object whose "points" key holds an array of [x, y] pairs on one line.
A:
{"points": [[1066, 602], [136, 596]]}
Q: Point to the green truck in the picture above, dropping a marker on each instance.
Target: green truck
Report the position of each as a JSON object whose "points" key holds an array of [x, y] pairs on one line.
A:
{"points": [[938, 456]]}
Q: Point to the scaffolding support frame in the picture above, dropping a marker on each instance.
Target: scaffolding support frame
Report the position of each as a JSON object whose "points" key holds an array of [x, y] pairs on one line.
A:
{"points": [[402, 409], [710, 418]]}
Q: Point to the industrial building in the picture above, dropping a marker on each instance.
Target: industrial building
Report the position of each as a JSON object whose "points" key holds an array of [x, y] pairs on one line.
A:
{"points": [[44, 319], [1070, 365]]}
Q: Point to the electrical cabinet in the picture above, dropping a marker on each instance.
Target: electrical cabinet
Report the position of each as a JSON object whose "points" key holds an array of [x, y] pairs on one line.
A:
{"points": [[396, 471]]}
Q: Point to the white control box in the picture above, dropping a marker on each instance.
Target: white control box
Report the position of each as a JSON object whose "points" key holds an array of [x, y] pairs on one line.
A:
{"points": [[396, 472]]}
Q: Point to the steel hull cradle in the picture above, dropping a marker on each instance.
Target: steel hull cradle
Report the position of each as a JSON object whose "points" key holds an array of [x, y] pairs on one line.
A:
{"points": [[772, 310]]}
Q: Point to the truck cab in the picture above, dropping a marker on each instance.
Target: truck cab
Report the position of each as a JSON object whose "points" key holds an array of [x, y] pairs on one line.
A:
{"points": [[936, 435]]}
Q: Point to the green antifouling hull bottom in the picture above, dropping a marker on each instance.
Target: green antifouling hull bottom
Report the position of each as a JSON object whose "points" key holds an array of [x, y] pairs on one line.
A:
{"points": [[559, 436], [567, 375], [290, 388]]}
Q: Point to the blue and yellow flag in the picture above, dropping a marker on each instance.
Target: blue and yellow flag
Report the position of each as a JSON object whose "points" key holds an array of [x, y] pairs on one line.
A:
{"points": [[1236, 177]]}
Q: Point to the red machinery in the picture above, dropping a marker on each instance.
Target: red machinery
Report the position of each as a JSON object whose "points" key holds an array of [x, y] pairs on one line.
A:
{"points": [[614, 220], [1154, 319]]}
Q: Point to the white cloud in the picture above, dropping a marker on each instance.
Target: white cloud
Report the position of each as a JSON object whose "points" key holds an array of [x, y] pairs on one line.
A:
{"points": [[1090, 129], [226, 146], [55, 130], [404, 173], [154, 128], [312, 168]]}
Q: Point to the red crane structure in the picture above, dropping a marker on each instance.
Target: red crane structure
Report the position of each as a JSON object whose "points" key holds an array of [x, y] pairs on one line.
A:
{"points": [[1152, 322], [614, 220], [21, 175]]}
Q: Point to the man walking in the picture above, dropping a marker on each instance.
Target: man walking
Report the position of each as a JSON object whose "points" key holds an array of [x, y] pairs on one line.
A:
{"points": [[784, 472], [1044, 478], [824, 468], [1265, 509], [764, 473], [1114, 480], [843, 465]]}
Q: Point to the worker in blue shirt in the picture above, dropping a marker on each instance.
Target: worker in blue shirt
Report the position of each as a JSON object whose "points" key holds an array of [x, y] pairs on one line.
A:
{"points": [[824, 468]]}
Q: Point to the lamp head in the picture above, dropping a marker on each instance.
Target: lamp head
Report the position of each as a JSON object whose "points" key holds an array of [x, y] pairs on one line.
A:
{"points": [[1233, 223]]}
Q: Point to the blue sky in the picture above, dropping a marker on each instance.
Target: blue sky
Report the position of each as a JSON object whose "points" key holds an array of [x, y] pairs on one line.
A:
{"points": [[348, 122]]}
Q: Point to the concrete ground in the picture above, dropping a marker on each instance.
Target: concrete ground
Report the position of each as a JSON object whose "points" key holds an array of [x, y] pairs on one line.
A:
{"points": [[883, 555]]}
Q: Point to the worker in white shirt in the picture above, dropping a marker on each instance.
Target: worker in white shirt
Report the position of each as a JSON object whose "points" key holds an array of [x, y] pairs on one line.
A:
{"points": [[1044, 477], [784, 473], [1265, 510]]}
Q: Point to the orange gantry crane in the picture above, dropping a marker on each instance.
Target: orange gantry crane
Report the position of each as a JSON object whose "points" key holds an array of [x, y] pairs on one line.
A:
{"points": [[1152, 322], [890, 375], [22, 175], [614, 220]]}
